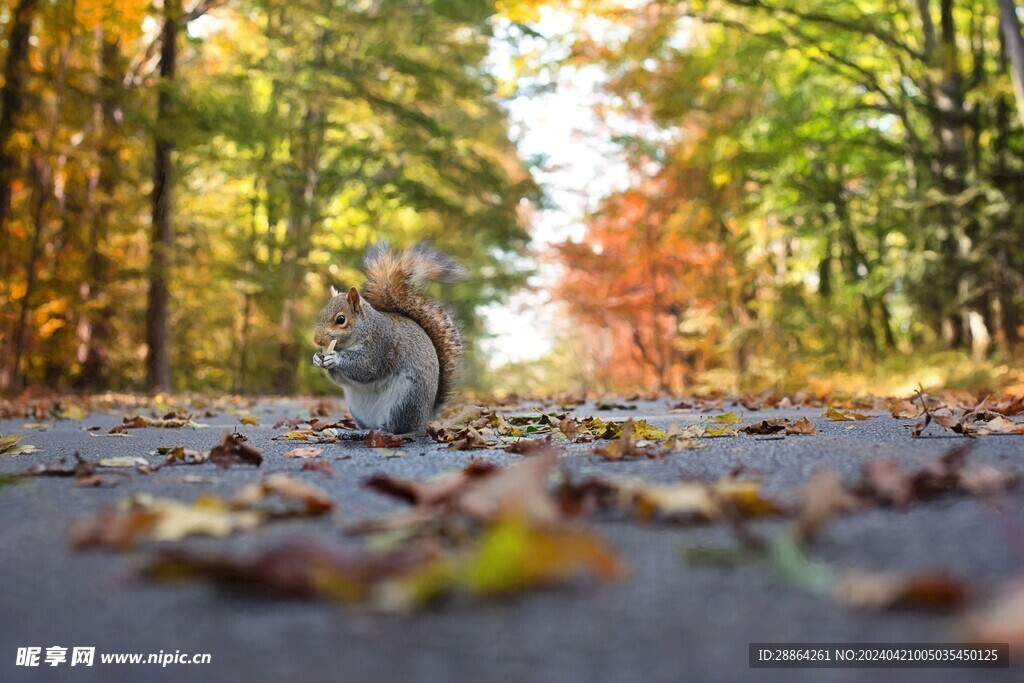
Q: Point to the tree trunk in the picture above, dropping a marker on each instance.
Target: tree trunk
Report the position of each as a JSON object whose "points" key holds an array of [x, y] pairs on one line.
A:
{"points": [[1014, 49], [94, 323], [42, 181], [12, 100], [303, 217], [158, 360]]}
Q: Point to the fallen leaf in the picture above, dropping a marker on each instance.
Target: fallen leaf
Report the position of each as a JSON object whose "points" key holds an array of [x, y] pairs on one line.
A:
{"points": [[833, 414], [718, 432], [627, 445], [83, 471], [171, 421], [346, 423], [801, 427], [519, 490], [513, 556], [942, 417], [772, 426], [695, 501], [986, 480], [303, 568], [469, 438], [510, 557], [904, 409], [71, 412], [11, 445], [884, 481], [822, 498], [143, 517], [297, 435], [249, 420], [1000, 621], [122, 462], [182, 455], [530, 446], [997, 425], [304, 453], [885, 590], [316, 502], [431, 491], [613, 406], [321, 466], [375, 439], [726, 419], [232, 450]]}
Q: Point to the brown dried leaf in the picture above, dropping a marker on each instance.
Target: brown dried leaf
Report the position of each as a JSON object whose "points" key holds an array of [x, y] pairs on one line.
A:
{"points": [[772, 426], [321, 466], [881, 591], [315, 501], [182, 455], [304, 568], [986, 480], [801, 427], [468, 439], [904, 409], [232, 450], [375, 439], [143, 517], [530, 446], [997, 425], [519, 490], [304, 453], [429, 492], [1002, 620], [695, 501], [822, 498]]}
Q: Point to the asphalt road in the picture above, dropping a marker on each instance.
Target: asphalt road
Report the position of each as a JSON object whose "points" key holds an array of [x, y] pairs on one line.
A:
{"points": [[668, 621]]}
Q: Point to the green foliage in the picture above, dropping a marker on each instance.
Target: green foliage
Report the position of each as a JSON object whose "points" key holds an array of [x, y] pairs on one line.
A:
{"points": [[304, 131], [859, 164]]}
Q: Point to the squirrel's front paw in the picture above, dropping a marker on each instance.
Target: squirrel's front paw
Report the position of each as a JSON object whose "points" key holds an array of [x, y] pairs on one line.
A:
{"points": [[318, 359], [329, 361]]}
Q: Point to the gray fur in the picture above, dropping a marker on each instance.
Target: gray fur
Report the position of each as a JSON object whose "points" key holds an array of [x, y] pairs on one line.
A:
{"points": [[388, 368]]}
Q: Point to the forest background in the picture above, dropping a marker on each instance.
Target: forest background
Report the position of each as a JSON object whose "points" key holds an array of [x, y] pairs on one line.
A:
{"points": [[784, 193]]}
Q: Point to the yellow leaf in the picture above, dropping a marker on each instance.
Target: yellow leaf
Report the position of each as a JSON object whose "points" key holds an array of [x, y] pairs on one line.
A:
{"points": [[838, 416]]}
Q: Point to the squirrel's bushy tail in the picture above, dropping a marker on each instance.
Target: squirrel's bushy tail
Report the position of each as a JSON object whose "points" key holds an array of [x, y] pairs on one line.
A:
{"points": [[391, 286]]}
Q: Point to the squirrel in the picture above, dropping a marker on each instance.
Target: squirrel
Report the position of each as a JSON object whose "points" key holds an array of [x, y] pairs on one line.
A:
{"points": [[395, 352]]}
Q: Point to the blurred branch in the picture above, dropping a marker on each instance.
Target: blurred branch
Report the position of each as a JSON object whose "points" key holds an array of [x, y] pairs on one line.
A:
{"points": [[829, 20], [1014, 49]]}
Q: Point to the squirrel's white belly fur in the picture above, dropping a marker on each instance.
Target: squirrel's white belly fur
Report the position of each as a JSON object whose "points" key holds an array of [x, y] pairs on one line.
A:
{"points": [[372, 404]]}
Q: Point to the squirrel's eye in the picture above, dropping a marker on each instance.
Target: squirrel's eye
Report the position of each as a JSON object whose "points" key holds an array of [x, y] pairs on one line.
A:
{"points": [[340, 320]]}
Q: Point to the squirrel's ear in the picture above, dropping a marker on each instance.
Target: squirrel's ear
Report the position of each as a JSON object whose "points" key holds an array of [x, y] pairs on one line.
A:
{"points": [[334, 292], [354, 300]]}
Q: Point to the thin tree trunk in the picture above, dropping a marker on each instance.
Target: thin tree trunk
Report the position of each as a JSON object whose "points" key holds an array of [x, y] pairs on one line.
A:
{"points": [[12, 100], [303, 217], [1014, 49], [94, 324], [42, 176], [158, 360]]}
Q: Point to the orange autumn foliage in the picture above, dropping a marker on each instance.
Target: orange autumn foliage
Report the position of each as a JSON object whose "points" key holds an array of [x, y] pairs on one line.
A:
{"points": [[646, 280]]}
